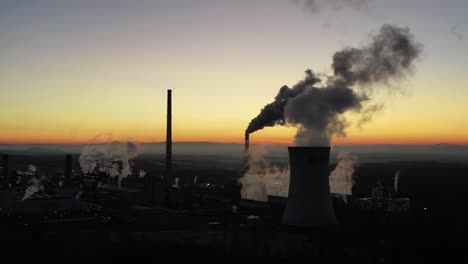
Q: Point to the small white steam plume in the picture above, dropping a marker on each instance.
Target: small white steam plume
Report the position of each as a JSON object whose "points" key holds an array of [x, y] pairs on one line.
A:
{"points": [[263, 179], [341, 178], [395, 180], [35, 185], [78, 195], [32, 168], [142, 174], [176, 182], [31, 171], [112, 158]]}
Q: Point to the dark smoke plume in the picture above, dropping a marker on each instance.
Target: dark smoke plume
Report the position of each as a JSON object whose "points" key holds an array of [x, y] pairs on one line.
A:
{"points": [[273, 113], [318, 111]]}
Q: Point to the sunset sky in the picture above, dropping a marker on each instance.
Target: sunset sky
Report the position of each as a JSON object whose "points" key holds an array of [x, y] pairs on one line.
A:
{"points": [[73, 70]]}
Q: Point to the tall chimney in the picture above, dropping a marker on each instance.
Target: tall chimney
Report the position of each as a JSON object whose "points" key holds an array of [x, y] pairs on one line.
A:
{"points": [[5, 165], [309, 202], [68, 168], [169, 131], [246, 151]]}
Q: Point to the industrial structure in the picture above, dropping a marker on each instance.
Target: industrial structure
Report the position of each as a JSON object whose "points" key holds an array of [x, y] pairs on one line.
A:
{"points": [[309, 203], [169, 131], [178, 211]]}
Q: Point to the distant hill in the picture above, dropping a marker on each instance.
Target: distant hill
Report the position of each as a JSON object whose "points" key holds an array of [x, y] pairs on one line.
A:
{"points": [[365, 153]]}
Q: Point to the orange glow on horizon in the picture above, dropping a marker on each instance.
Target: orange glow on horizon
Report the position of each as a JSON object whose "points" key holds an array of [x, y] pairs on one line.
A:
{"points": [[238, 140]]}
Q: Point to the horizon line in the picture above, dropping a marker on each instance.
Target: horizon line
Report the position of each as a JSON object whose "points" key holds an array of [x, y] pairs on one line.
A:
{"points": [[274, 143]]}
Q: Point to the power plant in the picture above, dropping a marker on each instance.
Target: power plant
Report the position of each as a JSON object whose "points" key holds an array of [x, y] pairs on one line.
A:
{"points": [[112, 194]]}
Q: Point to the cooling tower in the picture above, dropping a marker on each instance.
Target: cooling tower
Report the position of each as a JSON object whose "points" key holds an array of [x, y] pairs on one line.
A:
{"points": [[309, 202]]}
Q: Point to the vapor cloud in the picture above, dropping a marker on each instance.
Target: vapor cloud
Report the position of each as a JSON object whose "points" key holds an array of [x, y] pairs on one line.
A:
{"points": [[112, 158], [317, 107], [262, 178], [341, 178], [31, 171], [35, 185]]}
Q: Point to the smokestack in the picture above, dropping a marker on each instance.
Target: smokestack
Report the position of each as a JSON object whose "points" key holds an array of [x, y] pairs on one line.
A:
{"points": [[68, 168], [169, 131], [309, 201], [5, 165], [246, 150]]}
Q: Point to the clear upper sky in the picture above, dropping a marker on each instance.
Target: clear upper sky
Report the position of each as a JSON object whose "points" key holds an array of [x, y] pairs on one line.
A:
{"points": [[71, 70]]}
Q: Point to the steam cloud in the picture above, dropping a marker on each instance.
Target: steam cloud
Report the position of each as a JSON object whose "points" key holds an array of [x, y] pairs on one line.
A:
{"points": [[35, 185], [263, 179], [31, 170], [111, 158], [316, 108], [341, 178], [142, 174]]}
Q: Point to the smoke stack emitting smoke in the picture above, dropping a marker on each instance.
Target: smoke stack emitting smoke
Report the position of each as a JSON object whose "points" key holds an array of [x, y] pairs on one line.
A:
{"points": [[317, 111]]}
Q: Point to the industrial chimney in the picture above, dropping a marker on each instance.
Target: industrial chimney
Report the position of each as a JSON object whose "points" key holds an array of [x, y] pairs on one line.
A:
{"points": [[68, 168], [169, 131], [5, 165], [309, 202], [246, 152]]}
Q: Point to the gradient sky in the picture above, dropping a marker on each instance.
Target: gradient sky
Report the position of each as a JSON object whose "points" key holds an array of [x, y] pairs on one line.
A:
{"points": [[73, 70]]}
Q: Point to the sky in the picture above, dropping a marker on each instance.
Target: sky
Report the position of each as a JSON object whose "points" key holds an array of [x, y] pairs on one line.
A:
{"points": [[77, 71]]}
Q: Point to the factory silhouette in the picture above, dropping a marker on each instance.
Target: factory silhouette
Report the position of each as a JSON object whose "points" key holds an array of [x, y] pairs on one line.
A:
{"points": [[175, 213]]}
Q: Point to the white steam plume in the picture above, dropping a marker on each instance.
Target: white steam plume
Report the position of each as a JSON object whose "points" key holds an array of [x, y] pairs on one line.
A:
{"points": [[35, 185], [341, 178], [112, 158], [31, 170], [263, 179]]}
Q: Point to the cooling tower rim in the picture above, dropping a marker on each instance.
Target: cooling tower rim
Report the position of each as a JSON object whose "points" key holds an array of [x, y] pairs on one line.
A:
{"points": [[308, 147]]}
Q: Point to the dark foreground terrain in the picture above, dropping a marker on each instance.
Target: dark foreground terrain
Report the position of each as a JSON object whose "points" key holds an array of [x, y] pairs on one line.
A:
{"points": [[201, 223]]}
